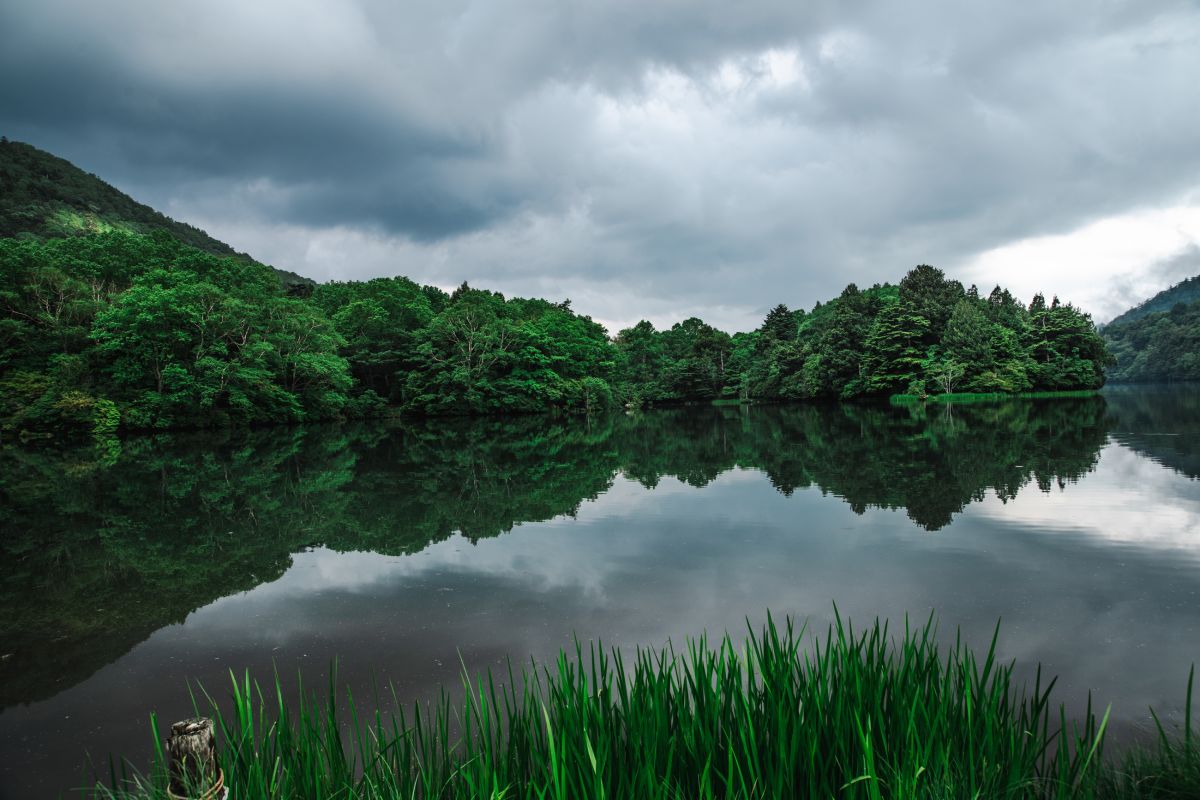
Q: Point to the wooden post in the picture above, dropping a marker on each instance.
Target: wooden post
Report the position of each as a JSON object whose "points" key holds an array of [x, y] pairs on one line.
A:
{"points": [[192, 750]]}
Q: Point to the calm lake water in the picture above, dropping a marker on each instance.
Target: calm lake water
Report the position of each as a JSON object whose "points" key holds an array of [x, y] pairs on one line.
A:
{"points": [[399, 548]]}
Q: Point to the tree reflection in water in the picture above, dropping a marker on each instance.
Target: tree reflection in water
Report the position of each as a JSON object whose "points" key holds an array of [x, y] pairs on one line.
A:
{"points": [[104, 547]]}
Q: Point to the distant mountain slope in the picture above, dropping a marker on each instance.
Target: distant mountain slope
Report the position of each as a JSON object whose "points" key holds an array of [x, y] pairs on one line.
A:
{"points": [[1186, 291], [1160, 346], [44, 196]]}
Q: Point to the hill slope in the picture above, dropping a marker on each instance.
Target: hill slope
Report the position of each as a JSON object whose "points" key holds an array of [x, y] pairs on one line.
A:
{"points": [[1186, 291], [1160, 346], [1158, 339], [43, 196]]}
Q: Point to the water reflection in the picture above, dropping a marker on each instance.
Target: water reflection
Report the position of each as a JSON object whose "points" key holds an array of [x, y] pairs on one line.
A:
{"points": [[103, 553], [382, 545], [1160, 422]]}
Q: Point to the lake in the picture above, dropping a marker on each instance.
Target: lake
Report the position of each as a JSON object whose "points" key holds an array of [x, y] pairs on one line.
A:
{"points": [[406, 549]]}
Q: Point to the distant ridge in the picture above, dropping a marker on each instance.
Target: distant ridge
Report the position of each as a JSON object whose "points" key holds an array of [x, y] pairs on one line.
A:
{"points": [[1158, 340], [43, 196], [1186, 291]]}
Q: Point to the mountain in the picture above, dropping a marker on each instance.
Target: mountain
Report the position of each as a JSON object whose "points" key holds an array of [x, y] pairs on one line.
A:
{"points": [[1186, 291], [1162, 346], [43, 196], [1158, 340]]}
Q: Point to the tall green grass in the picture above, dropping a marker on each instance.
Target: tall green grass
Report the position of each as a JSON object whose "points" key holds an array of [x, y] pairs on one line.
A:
{"points": [[1168, 770], [854, 714]]}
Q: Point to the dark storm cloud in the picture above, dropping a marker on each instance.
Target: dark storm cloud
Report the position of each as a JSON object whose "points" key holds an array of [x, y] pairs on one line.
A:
{"points": [[660, 158], [335, 158]]}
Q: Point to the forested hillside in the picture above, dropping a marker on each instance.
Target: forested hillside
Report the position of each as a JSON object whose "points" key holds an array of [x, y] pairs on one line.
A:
{"points": [[1159, 339], [43, 196], [103, 327], [1162, 346], [1186, 291]]}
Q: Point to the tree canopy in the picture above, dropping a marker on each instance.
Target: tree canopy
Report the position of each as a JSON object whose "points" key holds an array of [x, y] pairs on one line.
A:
{"points": [[119, 329], [141, 331], [113, 315], [926, 335], [1160, 346]]}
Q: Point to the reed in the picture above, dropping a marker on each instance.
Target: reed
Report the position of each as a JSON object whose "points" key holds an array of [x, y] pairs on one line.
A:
{"points": [[850, 714]]}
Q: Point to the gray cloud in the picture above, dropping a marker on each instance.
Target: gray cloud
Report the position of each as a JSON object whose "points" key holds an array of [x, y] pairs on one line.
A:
{"points": [[1126, 291], [646, 159]]}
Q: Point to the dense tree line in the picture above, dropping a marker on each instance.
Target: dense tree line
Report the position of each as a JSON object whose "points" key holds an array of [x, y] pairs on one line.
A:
{"points": [[1160, 346], [143, 332], [926, 335], [470, 352], [119, 329]]}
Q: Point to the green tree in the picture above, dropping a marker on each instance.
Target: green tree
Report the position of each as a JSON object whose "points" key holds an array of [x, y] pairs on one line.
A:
{"points": [[931, 295], [779, 325], [1064, 348], [380, 321], [640, 354], [895, 354]]}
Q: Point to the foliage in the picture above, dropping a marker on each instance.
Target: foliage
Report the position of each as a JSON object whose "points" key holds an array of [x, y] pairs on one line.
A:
{"points": [[895, 348], [105, 303], [150, 333], [691, 360], [925, 335], [172, 337], [43, 196], [1168, 770], [1158, 346], [485, 354], [855, 714]]}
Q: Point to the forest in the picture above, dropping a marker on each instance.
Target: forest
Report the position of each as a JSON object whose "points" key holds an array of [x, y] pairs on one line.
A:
{"points": [[1160, 346], [114, 316], [120, 330]]}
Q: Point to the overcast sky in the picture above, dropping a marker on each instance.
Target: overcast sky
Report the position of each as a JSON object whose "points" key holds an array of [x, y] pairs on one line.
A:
{"points": [[644, 158]]}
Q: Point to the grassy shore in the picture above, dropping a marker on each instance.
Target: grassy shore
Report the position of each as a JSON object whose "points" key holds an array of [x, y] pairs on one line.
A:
{"points": [[982, 397], [853, 714]]}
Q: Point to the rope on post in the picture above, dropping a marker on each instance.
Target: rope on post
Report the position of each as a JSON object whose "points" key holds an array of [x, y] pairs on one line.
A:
{"points": [[192, 750]]}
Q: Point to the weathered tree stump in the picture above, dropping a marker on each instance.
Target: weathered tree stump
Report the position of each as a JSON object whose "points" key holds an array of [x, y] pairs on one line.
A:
{"points": [[192, 750]]}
